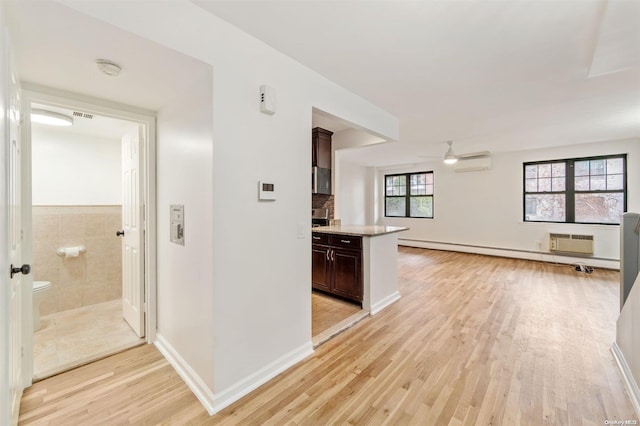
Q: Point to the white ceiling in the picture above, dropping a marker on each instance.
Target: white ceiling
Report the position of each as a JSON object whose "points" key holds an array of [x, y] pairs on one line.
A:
{"points": [[490, 75], [57, 47]]}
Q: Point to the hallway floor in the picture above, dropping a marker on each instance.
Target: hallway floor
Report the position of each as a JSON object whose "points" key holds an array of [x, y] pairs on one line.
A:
{"points": [[331, 316], [75, 337]]}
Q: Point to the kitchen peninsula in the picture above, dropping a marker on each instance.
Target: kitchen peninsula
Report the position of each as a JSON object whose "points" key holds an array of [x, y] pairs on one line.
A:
{"points": [[357, 262]]}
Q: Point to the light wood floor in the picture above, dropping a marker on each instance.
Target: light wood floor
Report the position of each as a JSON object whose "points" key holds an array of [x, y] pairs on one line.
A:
{"points": [[474, 340], [327, 311]]}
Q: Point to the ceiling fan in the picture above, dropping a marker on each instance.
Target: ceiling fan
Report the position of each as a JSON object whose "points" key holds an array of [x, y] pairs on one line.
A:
{"points": [[451, 158]]}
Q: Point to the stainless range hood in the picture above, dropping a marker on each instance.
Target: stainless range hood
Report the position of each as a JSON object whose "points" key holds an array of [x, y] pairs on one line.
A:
{"points": [[320, 181]]}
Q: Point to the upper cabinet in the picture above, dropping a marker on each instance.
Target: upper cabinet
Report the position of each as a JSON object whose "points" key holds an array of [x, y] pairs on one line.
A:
{"points": [[321, 148]]}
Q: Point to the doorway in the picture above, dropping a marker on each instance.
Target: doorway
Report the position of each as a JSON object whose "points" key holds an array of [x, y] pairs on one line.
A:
{"points": [[86, 277]]}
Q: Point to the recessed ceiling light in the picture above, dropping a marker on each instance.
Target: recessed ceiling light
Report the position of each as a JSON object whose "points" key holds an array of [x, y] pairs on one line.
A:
{"points": [[51, 118], [108, 67]]}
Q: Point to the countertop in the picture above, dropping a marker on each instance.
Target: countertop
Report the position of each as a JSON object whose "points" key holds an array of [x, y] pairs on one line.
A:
{"points": [[359, 230]]}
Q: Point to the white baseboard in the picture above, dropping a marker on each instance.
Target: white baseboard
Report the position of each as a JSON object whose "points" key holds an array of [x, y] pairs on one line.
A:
{"points": [[377, 307], [216, 402], [262, 376], [629, 381], [195, 383], [513, 253]]}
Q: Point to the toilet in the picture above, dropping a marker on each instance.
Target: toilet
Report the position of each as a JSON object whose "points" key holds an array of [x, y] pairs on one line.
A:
{"points": [[40, 290]]}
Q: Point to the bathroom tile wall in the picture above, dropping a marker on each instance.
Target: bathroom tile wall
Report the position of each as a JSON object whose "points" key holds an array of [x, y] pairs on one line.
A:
{"points": [[94, 276]]}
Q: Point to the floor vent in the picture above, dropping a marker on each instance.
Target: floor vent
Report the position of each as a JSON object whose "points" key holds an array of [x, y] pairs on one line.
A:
{"points": [[571, 243]]}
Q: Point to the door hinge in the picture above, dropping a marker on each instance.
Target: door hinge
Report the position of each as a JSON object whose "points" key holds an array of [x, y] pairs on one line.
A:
{"points": [[22, 351], [21, 234]]}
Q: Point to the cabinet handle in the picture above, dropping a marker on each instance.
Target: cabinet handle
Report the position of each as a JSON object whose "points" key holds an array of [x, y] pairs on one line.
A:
{"points": [[328, 256], [316, 238], [346, 241], [333, 252]]}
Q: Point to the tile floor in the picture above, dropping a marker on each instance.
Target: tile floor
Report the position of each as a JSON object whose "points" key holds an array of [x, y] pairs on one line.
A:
{"points": [[75, 337]]}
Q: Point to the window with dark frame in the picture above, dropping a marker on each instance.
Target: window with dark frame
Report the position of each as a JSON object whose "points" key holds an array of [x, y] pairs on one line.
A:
{"points": [[409, 195], [578, 190]]}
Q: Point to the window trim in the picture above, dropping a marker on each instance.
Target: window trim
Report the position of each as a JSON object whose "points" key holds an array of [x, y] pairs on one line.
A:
{"points": [[408, 195], [570, 191]]}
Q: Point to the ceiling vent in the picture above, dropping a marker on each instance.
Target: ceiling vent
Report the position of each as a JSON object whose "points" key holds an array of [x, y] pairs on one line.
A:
{"points": [[82, 115]]}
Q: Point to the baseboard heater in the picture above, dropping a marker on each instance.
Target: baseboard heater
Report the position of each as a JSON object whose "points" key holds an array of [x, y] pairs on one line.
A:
{"points": [[571, 243]]}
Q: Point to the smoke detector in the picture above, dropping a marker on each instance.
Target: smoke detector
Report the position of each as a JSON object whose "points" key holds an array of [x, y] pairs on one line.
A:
{"points": [[108, 67]]}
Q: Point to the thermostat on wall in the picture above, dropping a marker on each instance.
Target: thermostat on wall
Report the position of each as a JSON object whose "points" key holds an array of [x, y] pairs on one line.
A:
{"points": [[266, 190]]}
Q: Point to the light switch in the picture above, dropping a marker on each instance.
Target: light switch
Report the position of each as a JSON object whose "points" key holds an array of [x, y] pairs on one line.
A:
{"points": [[176, 225]]}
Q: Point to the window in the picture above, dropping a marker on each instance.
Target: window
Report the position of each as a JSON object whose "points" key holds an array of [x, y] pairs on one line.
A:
{"points": [[409, 195], [579, 190]]}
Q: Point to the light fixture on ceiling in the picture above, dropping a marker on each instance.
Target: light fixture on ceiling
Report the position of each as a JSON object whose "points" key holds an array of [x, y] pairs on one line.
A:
{"points": [[51, 118], [449, 156], [108, 67]]}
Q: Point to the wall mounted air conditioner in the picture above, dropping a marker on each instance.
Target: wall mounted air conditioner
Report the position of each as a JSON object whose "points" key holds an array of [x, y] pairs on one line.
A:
{"points": [[472, 164], [571, 243]]}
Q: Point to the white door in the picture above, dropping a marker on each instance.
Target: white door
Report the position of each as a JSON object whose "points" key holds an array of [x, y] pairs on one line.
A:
{"points": [[133, 228], [15, 256]]}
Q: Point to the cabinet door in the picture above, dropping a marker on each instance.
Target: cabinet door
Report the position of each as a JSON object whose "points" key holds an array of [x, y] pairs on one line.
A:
{"points": [[321, 267], [321, 148], [347, 273]]}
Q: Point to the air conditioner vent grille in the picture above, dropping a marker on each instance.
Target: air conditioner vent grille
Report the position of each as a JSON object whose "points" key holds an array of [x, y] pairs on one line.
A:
{"points": [[582, 237], [571, 243]]}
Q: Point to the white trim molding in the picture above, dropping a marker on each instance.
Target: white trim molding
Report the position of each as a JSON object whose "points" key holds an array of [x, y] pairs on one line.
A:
{"points": [[193, 381], [216, 402], [260, 377], [377, 307], [630, 383], [512, 253]]}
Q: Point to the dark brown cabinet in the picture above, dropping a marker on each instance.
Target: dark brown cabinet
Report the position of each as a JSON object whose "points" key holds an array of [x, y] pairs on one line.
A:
{"points": [[321, 148], [337, 265]]}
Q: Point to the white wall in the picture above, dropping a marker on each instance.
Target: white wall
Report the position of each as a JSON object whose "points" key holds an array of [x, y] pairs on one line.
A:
{"points": [[185, 294], [5, 287], [628, 342], [485, 208], [351, 183], [71, 169], [354, 193], [261, 266]]}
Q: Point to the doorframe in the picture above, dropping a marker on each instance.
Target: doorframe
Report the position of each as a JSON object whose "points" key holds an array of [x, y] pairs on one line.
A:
{"points": [[40, 94]]}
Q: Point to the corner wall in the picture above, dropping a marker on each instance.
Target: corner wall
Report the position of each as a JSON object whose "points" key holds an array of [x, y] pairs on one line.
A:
{"points": [[185, 273], [484, 209], [241, 312]]}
